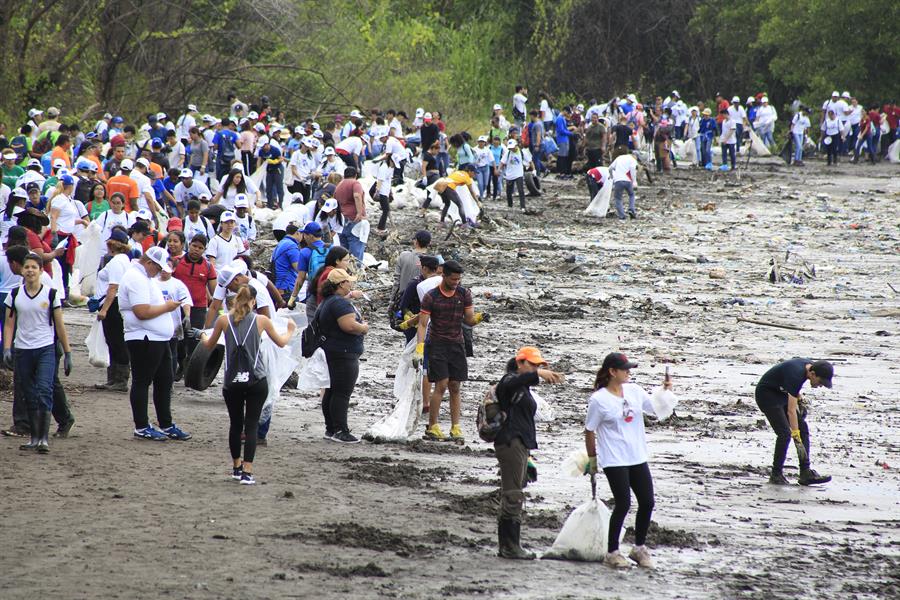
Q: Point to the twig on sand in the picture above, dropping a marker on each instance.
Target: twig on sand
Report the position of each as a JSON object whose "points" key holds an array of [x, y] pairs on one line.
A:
{"points": [[771, 324]]}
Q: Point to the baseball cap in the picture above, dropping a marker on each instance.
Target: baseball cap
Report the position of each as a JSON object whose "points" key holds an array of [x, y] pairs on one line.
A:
{"points": [[53, 111], [156, 143], [9, 155], [531, 354], [144, 214], [240, 201], [420, 112], [253, 115], [227, 216], [498, 107], [835, 93], [824, 370], [632, 98], [259, 127], [57, 164], [203, 196], [82, 165], [736, 99], [92, 166], [356, 114], [161, 115], [298, 129], [34, 112], [845, 95], [143, 162], [329, 205], [192, 107], [765, 99], [423, 237], [175, 224], [482, 138], [119, 236], [32, 185], [208, 119], [329, 151], [339, 276], [580, 108], [227, 275], [160, 257], [67, 180], [118, 119], [313, 228], [750, 99], [617, 360], [186, 174], [427, 116], [676, 94], [318, 134], [126, 165], [511, 143], [19, 193]]}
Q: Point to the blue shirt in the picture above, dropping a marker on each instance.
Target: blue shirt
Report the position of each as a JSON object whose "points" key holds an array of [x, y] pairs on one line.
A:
{"points": [[272, 153], [562, 130], [498, 154], [708, 128], [226, 150], [286, 253]]}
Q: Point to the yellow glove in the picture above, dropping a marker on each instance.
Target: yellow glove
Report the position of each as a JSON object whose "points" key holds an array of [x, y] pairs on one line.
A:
{"points": [[591, 467], [795, 433], [479, 317], [407, 321], [420, 350]]}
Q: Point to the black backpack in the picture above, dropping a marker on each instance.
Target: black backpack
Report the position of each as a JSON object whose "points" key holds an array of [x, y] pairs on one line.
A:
{"points": [[491, 418], [241, 370], [312, 337], [51, 296]]}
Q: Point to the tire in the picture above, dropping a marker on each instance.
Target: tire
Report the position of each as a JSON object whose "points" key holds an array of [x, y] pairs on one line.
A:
{"points": [[531, 185], [203, 366]]}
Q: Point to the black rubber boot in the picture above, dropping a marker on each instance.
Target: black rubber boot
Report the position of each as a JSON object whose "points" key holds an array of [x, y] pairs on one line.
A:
{"points": [[44, 424], [777, 477], [120, 381], [811, 477], [508, 534], [34, 429], [110, 379]]}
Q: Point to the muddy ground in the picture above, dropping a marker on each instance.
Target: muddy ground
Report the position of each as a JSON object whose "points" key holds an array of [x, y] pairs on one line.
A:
{"points": [[106, 516]]}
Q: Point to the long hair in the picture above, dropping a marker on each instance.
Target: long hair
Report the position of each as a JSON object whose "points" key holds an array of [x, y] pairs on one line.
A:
{"points": [[243, 303], [241, 187], [602, 379], [334, 255]]}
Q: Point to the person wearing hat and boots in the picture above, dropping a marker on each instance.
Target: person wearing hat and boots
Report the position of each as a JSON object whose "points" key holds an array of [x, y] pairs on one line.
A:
{"points": [[739, 118], [778, 397], [484, 163], [148, 329], [764, 126], [615, 442], [515, 441]]}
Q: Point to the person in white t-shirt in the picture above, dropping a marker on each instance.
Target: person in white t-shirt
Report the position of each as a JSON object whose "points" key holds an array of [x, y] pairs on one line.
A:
{"points": [[614, 439], [224, 247], [623, 171], [799, 125], [34, 321], [195, 223], [66, 214], [116, 215], [188, 189], [520, 109], [117, 263], [148, 329], [185, 122]]}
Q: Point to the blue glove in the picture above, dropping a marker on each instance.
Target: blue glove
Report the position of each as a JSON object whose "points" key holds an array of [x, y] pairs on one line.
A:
{"points": [[8, 358], [67, 363]]}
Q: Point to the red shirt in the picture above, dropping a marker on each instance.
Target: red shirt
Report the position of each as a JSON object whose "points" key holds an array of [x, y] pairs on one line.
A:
{"points": [[322, 279], [723, 105], [344, 193], [36, 243], [893, 116], [195, 275], [596, 174]]}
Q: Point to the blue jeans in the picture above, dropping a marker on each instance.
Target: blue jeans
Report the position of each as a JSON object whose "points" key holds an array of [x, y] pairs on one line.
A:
{"points": [[705, 151], [798, 146], [275, 188], [728, 150], [739, 132], [536, 157], [352, 243], [766, 134], [698, 150], [618, 188], [851, 139], [35, 370], [443, 162], [482, 176]]}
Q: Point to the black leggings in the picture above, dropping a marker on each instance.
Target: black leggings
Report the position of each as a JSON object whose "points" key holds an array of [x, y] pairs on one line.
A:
{"points": [[114, 332], [449, 196], [831, 150], [343, 369], [244, 404], [519, 183], [151, 362], [621, 481], [778, 419], [385, 202]]}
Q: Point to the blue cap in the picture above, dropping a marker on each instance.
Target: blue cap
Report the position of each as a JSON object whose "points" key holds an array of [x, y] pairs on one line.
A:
{"points": [[119, 236], [118, 120], [313, 228], [156, 143], [67, 180]]}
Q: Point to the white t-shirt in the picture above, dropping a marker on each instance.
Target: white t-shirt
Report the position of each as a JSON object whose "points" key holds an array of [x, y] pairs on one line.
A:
{"points": [[263, 300], [246, 228], [620, 442], [855, 115], [224, 251], [185, 194], [352, 144], [109, 219], [799, 124], [519, 101], [174, 289], [302, 165], [840, 109], [68, 212], [111, 273], [33, 328], [8, 279], [729, 134], [427, 285], [137, 288], [332, 166], [484, 157], [176, 155], [624, 168], [202, 225], [514, 165], [185, 122], [385, 176], [738, 114], [397, 151], [546, 111], [145, 186]]}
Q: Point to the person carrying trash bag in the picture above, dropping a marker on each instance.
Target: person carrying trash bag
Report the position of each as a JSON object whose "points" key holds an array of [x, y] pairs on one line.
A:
{"points": [[515, 440], [614, 438], [778, 397]]}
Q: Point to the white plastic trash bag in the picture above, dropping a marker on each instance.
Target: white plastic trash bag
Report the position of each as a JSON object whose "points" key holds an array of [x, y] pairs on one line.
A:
{"points": [[575, 463], [894, 152], [98, 352], [314, 373], [757, 147], [403, 420], [583, 535], [664, 402], [544, 411], [599, 205], [278, 363], [88, 256]]}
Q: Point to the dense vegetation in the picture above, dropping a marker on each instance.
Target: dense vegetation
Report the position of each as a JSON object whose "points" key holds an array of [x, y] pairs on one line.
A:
{"points": [[133, 56]]}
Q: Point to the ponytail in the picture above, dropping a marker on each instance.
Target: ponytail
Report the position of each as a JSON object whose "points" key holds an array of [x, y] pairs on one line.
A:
{"points": [[602, 379], [243, 303]]}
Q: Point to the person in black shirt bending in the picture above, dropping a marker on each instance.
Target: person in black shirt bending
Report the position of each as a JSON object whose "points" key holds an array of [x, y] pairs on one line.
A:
{"points": [[778, 397], [515, 441]]}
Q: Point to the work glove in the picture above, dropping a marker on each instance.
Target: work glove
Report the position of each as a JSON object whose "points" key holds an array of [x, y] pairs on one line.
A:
{"points": [[186, 326], [480, 316], [591, 467], [802, 455], [194, 333], [407, 321], [8, 358], [419, 355], [67, 363], [531, 470]]}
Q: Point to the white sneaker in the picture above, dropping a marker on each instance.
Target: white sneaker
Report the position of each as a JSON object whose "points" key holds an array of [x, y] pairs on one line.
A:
{"points": [[615, 560], [641, 556]]}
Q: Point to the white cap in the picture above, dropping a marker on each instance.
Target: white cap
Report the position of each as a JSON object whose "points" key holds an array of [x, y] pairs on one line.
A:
{"points": [[125, 165], [427, 116], [498, 107], [318, 135], [227, 274], [253, 115], [185, 174], [19, 192], [34, 112], [420, 112], [91, 166], [750, 99], [203, 195], [736, 99], [308, 141], [316, 126], [693, 108], [676, 94], [511, 143], [482, 138], [632, 98], [299, 129], [227, 216], [381, 132], [161, 115], [208, 119], [240, 201], [316, 144], [835, 93], [10, 155], [58, 163], [580, 108], [846, 95], [143, 162], [259, 127], [356, 113], [192, 108], [243, 120], [329, 205], [144, 214], [329, 151], [107, 116], [765, 99], [160, 257]]}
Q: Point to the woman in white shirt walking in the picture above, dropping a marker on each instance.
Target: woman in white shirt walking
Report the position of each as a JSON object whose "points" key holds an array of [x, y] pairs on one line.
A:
{"points": [[614, 438], [831, 136], [799, 125]]}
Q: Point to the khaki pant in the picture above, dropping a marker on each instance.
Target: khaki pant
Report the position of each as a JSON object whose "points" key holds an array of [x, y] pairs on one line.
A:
{"points": [[513, 459]]}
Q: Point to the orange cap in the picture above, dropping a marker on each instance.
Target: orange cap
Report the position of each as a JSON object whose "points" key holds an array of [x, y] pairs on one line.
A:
{"points": [[531, 354]]}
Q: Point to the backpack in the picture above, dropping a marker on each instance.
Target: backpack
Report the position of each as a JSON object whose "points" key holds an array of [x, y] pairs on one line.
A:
{"points": [[312, 337], [316, 260], [526, 135], [51, 296], [42, 144], [226, 148], [491, 418], [240, 371]]}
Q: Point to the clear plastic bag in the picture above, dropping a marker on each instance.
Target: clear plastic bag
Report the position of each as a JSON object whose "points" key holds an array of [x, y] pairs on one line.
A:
{"points": [[88, 256], [314, 373], [402, 422], [544, 411], [98, 352], [584, 534], [663, 402]]}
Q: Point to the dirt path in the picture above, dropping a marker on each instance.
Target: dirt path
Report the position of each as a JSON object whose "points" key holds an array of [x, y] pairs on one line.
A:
{"points": [[105, 516]]}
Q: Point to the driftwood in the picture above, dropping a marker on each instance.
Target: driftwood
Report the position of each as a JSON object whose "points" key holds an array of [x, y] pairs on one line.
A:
{"points": [[771, 324]]}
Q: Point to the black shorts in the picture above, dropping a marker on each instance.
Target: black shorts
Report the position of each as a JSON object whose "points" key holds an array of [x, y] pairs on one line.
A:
{"points": [[447, 360]]}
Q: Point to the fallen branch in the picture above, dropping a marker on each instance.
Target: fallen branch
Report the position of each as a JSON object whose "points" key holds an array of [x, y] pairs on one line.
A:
{"points": [[771, 324]]}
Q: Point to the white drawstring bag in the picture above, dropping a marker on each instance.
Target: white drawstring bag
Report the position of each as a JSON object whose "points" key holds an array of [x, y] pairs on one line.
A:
{"points": [[599, 205], [313, 374], [584, 534], [402, 422], [98, 352]]}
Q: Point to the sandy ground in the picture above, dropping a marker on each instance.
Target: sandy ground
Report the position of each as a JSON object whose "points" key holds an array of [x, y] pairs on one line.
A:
{"points": [[106, 516]]}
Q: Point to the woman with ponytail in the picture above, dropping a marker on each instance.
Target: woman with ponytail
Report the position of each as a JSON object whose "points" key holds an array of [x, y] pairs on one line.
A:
{"points": [[245, 387], [614, 436]]}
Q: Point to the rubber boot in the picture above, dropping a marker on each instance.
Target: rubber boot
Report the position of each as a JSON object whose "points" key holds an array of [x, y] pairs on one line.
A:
{"points": [[508, 533], [110, 379], [120, 378], [34, 429], [44, 429]]}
